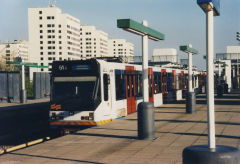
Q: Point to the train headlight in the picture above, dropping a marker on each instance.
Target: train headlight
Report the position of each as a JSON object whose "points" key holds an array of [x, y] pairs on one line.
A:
{"points": [[71, 113], [91, 116]]}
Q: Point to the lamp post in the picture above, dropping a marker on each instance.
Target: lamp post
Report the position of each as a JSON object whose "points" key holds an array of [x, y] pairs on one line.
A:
{"points": [[190, 98], [145, 109], [210, 154]]}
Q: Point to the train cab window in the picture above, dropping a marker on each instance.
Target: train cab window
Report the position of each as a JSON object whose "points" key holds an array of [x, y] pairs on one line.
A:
{"points": [[106, 81], [120, 85]]}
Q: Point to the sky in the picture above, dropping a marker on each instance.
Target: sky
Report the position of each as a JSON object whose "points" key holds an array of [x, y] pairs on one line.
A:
{"points": [[181, 21]]}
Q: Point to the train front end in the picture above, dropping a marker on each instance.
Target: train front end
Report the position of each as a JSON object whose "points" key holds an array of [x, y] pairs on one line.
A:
{"points": [[75, 93]]}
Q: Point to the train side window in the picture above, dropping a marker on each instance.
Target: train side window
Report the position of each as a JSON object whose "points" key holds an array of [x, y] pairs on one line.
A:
{"points": [[106, 81], [138, 79], [159, 82], [120, 85]]}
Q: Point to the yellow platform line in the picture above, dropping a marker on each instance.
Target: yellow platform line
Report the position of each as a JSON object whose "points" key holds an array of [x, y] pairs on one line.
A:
{"points": [[31, 143]]}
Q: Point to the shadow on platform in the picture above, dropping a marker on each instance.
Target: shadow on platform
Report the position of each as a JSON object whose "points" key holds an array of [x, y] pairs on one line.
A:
{"points": [[191, 121], [105, 135], [199, 134], [61, 159]]}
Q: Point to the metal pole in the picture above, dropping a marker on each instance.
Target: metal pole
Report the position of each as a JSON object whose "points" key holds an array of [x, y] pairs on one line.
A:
{"points": [[190, 89], [145, 65], [210, 80], [23, 76], [219, 73]]}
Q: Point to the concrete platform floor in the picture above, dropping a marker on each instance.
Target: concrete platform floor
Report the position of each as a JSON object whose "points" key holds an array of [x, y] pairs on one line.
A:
{"points": [[116, 142]]}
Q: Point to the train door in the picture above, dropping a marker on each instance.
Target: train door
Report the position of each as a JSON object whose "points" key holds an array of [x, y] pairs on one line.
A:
{"points": [[182, 80], [174, 84], [150, 85], [183, 84], [164, 83], [130, 89]]}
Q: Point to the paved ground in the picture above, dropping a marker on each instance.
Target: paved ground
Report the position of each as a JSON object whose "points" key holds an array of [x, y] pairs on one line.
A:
{"points": [[116, 142]]}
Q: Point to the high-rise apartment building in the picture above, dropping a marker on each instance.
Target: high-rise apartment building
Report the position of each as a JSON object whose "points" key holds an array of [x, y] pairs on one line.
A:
{"points": [[11, 50], [121, 48], [93, 43], [53, 35]]}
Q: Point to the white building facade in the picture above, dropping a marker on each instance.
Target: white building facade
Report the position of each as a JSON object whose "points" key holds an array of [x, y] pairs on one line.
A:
{"points": [[93, 43], [11, 50], [165, 55], [122, 49], [53, 35]]}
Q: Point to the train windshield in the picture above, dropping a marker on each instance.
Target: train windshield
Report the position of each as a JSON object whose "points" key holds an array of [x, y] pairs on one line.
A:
{"points": [[77, 93]]}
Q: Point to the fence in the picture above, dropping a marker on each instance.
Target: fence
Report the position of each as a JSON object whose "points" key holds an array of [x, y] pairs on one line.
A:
{"points": [[41, 85], [10, 86]]}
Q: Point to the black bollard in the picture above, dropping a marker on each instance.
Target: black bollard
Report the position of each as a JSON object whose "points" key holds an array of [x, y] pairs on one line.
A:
{"points": [[145, 121], [219, 91], [190, 102], [201, 154]]}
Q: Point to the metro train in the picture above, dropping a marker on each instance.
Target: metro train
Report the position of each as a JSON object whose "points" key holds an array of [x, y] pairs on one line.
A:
{"points": [[93, 92]]}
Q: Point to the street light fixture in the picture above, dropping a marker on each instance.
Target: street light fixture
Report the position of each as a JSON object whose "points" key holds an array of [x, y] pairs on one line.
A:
{"points": [[190, 98], [210, 154], [145, 108], [238, 36]]}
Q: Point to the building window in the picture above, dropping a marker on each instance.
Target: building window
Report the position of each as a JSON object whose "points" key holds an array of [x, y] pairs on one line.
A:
{"points": [[49, 31], [41, 47], [52, 17], [49, 42], [40, 25], [49, 47], [59, 31], [40, 12], [42, 69], [59, 37], [41, 64], [41, 53], [49, 36], [41, 42], [42, 58], [59, 26], [49, 25], [53, 31], [48, 17], [60, 53], [41, 36], [49, 53], [49, 58], [60, 42], [60, 47], [40, 18], [40, 31], [53, 36]]}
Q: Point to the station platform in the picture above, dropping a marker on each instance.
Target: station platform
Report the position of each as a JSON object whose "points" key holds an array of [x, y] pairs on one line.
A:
{"points": [[116, 142]]}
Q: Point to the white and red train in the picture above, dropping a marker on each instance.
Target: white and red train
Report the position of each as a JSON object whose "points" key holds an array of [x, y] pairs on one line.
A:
{"points": [[93, 92]]}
